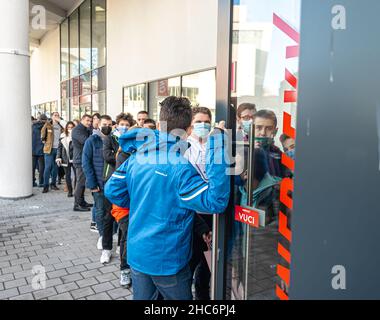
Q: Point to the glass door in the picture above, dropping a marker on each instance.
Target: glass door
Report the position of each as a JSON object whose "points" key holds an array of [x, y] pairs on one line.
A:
{"points": [[264, 71]]}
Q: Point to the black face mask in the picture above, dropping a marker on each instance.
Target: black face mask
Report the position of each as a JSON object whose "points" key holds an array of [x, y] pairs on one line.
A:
{"points": [[106, 130]]}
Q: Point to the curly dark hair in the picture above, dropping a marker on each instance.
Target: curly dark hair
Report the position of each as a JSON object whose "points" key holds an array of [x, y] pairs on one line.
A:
{"points": [[176, 112], [126, 117]]}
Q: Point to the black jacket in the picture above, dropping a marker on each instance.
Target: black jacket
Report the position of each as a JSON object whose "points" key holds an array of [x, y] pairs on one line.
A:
{"points": [[79, 135], [110, 148], [65, 151], [37, 145]]}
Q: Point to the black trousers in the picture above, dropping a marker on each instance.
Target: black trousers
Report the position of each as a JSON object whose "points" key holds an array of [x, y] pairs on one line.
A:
{"points": [[80, 185], [123, 231], [69, 181], [108, 225], [202, 275], [38, 163]]}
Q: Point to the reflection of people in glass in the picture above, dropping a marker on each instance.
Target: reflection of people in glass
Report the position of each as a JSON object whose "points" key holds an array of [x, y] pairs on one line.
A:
{"points": [[289, 145], [245, 114], [265, 131]]}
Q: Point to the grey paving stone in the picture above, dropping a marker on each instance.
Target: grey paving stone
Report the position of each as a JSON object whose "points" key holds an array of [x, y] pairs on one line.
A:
{"points": [[72, 278], [27, 296], [100, 296], [63, 296], [45, 293], [118, 293], [66, 287], [76, 269], [6, 277], [106, 277], [87, 282], [81, 293], [91, 273], [102, 287], [15, 283], [57, 273], [5, 294]]}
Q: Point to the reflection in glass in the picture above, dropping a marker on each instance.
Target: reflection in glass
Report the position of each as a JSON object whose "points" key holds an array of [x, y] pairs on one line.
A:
{"points": [[258, 77], [75, 113], [135, 99], [159, 90], [200, 88], [74, 44], [99, 102], [98, 33], [99, 80], [65, 50], [85, 84], [85, 37], [65, 109]]}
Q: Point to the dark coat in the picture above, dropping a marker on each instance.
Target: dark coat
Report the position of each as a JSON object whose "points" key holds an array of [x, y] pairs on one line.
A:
{"points": [[111, 146], [79, 135], [37, 144], [93, 162]]}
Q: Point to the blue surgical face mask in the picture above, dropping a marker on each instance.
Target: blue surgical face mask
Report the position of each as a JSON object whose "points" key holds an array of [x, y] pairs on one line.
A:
{"points": [[202, 130], [122, 130], [291, 154], [246, 125]]}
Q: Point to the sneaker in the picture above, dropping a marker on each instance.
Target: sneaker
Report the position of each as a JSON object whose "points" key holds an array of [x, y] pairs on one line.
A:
{"points": [[118, 250], [100, 243], [106, 256], [93, 227], [125, 278], [70, 195], [46, 190]]}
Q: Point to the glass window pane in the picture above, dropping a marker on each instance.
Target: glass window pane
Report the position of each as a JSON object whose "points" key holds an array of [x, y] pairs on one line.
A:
{"points": [[99, 102], [135, 99], [65, 86], [98, 33], [85, 37], [65, 50], [258, 83], [74, 45], [74, 87], [158, 91], [200, 88], [85, 84], [99, 79], [75, 114], [65, 109]]}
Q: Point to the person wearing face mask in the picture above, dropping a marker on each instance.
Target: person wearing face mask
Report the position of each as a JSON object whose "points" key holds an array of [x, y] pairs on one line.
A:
{"points": [[65, 155], [245, 114], [93, 165], [196, 154], [110, 149]]}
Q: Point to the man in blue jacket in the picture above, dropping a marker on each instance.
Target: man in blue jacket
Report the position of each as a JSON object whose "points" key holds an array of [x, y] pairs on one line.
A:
{"points": [[93, 168], [163, 191]]}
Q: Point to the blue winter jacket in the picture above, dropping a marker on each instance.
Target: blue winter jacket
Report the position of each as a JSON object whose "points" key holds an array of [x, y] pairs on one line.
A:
{"points": [[93, 162], [163, 191]]}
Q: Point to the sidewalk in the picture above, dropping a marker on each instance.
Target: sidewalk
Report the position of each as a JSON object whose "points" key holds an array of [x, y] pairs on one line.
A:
{"points": [[44, 231]]}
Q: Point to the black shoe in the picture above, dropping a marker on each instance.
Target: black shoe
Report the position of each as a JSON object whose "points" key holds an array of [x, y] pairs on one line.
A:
{"points": [[54, 187], [46, 190], [87, 205], [81, 209], [70, 195]]}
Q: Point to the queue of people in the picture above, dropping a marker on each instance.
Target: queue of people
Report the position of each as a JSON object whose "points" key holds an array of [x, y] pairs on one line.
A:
{"points": [[161, 211]]}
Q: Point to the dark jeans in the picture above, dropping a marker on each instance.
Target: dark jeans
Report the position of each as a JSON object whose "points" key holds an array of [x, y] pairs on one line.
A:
{"points": [[100, 212], [51, 168], [80, 186], [108, 223], [38, 163], [176, 287], [69, 181], [123, 231]]}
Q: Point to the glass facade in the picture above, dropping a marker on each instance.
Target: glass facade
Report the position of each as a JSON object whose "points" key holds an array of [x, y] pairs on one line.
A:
{"points": [[45, 108], [264, 73], [199, 87], [83, 60]]}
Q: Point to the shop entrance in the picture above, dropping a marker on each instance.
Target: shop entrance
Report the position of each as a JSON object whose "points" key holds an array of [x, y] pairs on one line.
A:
{"points": [[257, 93]]}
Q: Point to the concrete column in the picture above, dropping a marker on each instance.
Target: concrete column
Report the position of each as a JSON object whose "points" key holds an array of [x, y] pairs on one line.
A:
{"points": [[15, 109]]}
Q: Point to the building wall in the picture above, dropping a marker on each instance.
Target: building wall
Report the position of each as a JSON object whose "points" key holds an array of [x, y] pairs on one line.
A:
{"points": [[45, 70], [150, 39]]}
